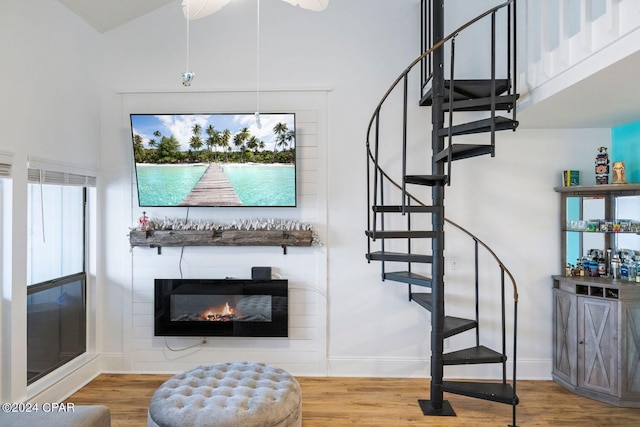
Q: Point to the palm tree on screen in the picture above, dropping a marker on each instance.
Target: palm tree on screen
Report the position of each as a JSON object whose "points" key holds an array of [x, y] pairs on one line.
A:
{"points": [[196, 142], [213, 138], [240, 139], [225, 138], [284, 136], [153, 143], [138, 148]]}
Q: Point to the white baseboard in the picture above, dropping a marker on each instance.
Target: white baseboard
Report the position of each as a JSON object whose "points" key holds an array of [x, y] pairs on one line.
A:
{"points": [[66, 380], [112, 363]]}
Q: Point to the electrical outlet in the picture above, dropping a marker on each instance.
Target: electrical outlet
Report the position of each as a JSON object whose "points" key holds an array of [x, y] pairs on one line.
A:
{"points": [[455, 263]]}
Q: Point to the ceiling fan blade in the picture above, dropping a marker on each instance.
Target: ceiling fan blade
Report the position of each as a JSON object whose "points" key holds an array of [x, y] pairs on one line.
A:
{"points": [[315, 5], [196, 9]]}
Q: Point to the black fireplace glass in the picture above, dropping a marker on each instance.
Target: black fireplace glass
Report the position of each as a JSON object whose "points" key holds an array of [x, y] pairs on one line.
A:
{"points": [[221, 307]]}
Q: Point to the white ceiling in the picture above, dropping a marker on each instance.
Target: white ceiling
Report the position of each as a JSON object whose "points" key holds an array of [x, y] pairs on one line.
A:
{"points": [[104, 15], [606, 99]]}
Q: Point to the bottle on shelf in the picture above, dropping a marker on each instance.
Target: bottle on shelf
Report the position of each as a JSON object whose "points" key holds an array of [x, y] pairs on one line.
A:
{"points": [[579, 268], [615, 266], [633, 270], [624, 269], [602, 267]]}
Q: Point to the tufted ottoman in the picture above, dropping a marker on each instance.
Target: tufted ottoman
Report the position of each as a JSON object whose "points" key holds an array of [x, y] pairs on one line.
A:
{"points": [[241, 394]]}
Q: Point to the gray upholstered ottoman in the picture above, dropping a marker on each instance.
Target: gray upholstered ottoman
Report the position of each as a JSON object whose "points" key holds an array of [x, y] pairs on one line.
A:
{"points": [[241, 394]]}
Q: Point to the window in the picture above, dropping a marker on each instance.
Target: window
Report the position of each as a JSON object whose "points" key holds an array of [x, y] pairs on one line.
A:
{"points": [[56, 228], [56, 273]]}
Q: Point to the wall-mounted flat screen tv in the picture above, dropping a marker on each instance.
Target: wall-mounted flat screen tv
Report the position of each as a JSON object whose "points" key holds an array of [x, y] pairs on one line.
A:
{"points": [[215, 159]]}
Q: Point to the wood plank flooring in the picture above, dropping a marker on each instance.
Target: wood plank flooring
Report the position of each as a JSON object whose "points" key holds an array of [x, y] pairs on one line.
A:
{"points": [[374, 402]]}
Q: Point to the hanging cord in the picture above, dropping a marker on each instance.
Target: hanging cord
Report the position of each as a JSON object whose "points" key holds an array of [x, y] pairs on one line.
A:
{"points": [[188, 20], [187, 75], [203, 341], [258, 123], [186, 219]]}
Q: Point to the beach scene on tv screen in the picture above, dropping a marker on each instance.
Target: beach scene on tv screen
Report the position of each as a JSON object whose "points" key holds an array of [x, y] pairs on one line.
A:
{"points": [[215, 159]]}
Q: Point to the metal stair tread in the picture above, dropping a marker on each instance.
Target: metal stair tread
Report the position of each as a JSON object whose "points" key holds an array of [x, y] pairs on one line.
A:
{"points": [[463, 151], [473, 355], [408, 277], [502, 103], [407, 208], [429, 180], [495, 392], [452, 325], [399, 234], [480, 126], [456, 325], [468, 89], [424, 299], [399, 256]]}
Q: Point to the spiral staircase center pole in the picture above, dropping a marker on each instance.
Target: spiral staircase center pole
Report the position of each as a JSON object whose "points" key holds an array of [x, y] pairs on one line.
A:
{"points": [[437, 119]]}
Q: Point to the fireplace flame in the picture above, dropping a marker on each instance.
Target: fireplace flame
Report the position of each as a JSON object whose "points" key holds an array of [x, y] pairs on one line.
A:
{"points": [[227, 310], [214, 314]]}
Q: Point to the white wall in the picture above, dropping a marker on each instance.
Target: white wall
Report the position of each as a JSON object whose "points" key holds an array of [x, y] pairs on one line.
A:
{"points": [[50, 113]]}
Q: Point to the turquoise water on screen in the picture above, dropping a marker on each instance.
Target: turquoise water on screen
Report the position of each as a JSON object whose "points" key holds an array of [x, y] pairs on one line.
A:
{"points": [[255, 184], [263, 185], [166, 185]]}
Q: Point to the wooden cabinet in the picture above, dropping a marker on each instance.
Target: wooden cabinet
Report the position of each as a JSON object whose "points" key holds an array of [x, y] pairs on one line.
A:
{"points": [[596, 339], [596, 320]]}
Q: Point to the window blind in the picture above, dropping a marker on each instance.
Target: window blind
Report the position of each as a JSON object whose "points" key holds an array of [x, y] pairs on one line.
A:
{"points": [[40, 176], [5, 170]]}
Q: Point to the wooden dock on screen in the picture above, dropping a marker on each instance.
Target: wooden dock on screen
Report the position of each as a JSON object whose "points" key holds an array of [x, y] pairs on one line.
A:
{"points": [[213, 189]]}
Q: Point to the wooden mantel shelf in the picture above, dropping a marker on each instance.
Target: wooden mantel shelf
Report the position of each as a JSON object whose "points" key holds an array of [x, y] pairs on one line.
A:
{"points": [[168, 238]]}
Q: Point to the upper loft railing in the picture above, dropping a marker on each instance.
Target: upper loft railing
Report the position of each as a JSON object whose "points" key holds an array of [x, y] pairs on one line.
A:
{"points": [[558, 35]]}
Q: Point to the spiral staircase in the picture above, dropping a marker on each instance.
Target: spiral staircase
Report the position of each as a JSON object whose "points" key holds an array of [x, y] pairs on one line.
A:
{"points": [[392, 200]]}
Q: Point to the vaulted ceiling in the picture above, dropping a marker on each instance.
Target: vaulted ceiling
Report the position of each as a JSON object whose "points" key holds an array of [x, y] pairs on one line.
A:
{"points": [[104, 15]]}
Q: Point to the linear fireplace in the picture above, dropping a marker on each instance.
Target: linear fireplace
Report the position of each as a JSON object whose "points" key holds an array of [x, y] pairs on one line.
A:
{"points": [[221, 307]]}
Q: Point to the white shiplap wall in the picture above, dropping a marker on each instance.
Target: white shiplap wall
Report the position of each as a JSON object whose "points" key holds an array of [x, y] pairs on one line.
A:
{"points": [[304, 351]]}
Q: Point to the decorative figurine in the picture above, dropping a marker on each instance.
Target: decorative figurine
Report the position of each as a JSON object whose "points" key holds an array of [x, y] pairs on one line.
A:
{"points": [[619, 175], [144, 221], [187, 77], [602, 166]]}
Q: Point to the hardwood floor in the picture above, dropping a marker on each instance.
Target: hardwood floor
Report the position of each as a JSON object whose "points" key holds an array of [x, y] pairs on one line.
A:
{"points": [[379, 402]]}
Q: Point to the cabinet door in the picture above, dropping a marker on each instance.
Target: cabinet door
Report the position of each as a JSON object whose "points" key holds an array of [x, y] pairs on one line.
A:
{"points": [[631, 351], [565, 337], [597, 345]]}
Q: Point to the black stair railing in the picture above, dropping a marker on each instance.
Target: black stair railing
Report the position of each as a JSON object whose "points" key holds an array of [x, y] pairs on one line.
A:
{"points": [[426, 67], [504, 273], [376, 187], [503, 270], [379, 182], [426, 23], [373, 129]]}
